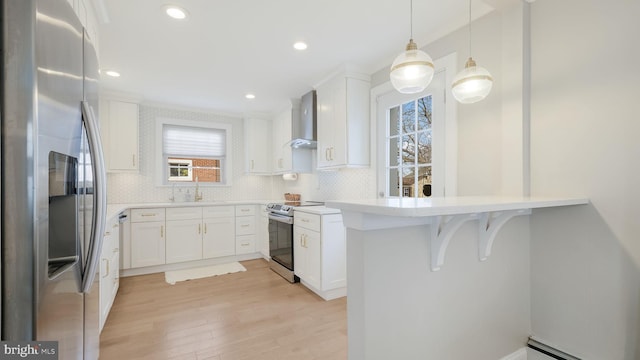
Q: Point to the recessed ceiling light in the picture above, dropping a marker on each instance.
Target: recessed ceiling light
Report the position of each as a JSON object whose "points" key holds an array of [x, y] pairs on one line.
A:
{"points": [[300, 45], [112, 73], [176, 12], [250, 96]]}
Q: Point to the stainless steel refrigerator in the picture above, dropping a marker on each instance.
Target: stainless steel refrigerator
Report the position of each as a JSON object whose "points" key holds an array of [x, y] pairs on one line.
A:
{"points": [[53, 179]]}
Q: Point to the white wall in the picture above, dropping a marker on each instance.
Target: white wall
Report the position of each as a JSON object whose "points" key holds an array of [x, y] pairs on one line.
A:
{"points": [[585, 261], [141, 187], [332, 185], [469, 309], [490, 131]]}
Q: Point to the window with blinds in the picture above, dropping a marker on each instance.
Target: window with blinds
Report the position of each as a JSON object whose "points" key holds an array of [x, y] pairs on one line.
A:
{"points": [[192, 153]]}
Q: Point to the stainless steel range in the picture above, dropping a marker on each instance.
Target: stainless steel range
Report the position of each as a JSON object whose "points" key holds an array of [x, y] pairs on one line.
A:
{"points": [[281, 237]]}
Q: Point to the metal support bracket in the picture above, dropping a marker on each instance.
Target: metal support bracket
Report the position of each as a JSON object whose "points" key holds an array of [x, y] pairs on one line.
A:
{"points": [[442, 229], [490, 224]]}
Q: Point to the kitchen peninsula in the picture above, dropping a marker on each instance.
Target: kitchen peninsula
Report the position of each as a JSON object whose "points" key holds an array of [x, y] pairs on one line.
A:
{"points": [[405, 302]]}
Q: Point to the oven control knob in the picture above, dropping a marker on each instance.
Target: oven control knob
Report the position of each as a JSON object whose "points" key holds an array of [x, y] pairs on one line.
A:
{"points": [[285, 208]]}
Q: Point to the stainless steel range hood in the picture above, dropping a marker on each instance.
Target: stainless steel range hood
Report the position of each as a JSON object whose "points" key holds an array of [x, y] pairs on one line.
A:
{"points": [[303, 129]]}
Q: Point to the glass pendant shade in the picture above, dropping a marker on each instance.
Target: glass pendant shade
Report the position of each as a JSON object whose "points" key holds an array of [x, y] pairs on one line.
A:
{"points": [[471, 84], [412, 71]]}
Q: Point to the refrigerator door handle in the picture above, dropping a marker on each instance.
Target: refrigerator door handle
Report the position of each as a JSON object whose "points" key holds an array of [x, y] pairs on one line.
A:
{"points": [[99, 197]]}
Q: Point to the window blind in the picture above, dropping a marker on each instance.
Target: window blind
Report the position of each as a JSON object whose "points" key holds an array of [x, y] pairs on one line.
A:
{"points": [[192, 142]]}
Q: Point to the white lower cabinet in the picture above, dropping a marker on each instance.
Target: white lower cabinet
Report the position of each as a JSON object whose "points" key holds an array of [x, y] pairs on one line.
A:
{"points": [[147, 237], [184, 234], [184, 240], [164, 236], [306, 252], [219, 231], [320, 254], [109, 268], [245, 229]]}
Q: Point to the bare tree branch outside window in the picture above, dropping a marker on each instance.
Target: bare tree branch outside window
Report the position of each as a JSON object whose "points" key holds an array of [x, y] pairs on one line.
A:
{"points": [[410, 141]]}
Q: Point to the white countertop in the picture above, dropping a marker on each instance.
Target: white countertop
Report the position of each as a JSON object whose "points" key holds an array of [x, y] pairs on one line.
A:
{"points": [[115, 209], [318, 210], [436, 206]]}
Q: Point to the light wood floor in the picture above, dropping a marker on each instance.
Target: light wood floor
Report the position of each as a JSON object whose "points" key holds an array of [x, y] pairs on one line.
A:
{"points": [[248, 315]]}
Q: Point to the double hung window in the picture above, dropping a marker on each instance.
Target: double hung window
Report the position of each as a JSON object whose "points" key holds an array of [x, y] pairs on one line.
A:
{"points": [[194, 152]]}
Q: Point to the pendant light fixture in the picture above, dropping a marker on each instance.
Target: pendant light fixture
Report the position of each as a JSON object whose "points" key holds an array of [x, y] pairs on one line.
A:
{"points": [[411, 71], [473, 83]]}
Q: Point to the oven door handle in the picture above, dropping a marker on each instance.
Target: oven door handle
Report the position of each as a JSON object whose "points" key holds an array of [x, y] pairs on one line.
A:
{"points": [[281, 218]]}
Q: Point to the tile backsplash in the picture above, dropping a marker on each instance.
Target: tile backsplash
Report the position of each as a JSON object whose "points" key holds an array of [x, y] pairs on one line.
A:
{"points": [[141, 187]]}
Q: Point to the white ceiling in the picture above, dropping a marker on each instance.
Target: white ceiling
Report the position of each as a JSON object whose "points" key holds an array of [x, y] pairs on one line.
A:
{"points": [[227, 48]]}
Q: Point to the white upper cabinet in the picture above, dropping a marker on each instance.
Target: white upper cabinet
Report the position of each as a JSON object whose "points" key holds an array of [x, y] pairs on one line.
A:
{"points": [[257, 136], [119, 129], [285, 158], [281, 137], [343, 121]]}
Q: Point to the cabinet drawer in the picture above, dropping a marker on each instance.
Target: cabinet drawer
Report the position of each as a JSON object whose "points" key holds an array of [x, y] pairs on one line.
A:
{"points": [[147, 215], [245, 210], [218, 211], [245, 225], [184, 213], [307, 221], [245, 244]]}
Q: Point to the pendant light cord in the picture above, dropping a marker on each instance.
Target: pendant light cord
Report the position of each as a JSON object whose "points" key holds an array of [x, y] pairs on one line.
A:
{"points": [[411, 18], [469, 28]]}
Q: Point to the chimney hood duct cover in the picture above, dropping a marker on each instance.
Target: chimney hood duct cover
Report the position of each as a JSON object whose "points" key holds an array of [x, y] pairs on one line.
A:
{"points": [[304, 126]]}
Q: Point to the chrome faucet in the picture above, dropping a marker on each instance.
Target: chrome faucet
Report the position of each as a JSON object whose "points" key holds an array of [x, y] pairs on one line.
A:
{"points": [[173, 193], [198, 195]]}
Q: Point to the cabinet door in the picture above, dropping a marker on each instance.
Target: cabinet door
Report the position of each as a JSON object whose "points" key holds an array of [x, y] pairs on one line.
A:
{"points": [[219, 238], [115, 279], [283, 161], [257, 141], [327, 98], [115, 258], [245, 225], [343, 122], [313, 265], [245, 244], [299, 252], [122, 131], [184, 240], [106, 269], [147, 244]]}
